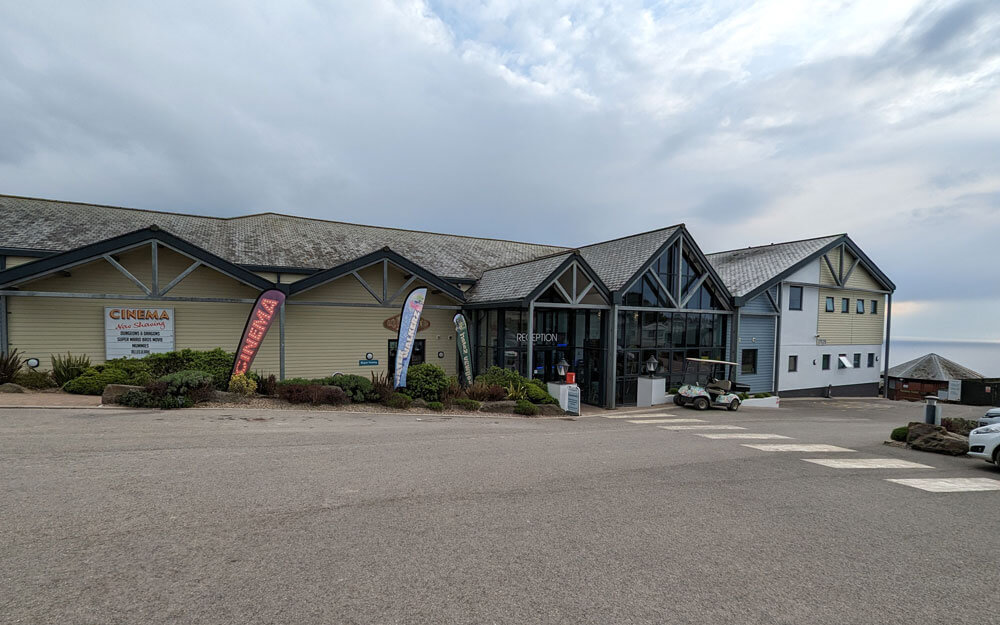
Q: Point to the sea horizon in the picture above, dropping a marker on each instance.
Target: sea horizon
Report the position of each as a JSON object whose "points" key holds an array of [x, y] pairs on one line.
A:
{"points": [[980, 356]]}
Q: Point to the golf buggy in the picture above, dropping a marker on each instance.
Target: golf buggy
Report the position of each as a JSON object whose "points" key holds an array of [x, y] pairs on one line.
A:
{"points": [[703, 389]]}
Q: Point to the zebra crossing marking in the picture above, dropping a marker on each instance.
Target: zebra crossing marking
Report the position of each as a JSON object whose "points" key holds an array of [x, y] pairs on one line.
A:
{"points": [[700, 427], [632, 415], [745, 436], [797, 447], [868, 463], [666, 420], [952, 484]]}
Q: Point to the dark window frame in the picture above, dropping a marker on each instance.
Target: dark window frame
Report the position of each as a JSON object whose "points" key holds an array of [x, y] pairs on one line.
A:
{"points": [[826, 362], [857, 360], [860, 306], [840, 363], [419, 346], [831, 304], [743, 362], [874, 310], [793, 363], [791, 298], [871, 360], [845, 305]]}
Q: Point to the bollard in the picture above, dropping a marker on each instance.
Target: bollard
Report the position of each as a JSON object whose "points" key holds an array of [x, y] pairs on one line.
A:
{"points": [[932, 411]]}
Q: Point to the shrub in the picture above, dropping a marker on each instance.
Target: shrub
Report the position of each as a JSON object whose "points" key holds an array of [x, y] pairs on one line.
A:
{"points": [[453, 391], [538, 395], [66, 368], [32, 378], [312, 394], [761, 395], [294, 393], [183, 383], [268, 385], [526, 408], [381, 387], [957, 425], [467, 404], [217, 362], [358, 389], [242, 385], [517, 390], [10, 365], [93, 380], [296, 382], [743, 396], [480, 391], [399, 400], [135, 398], [436, 406], [899, 434], [674, 390], [169, 402], [498, 376], [426, 381], [138, 371]]}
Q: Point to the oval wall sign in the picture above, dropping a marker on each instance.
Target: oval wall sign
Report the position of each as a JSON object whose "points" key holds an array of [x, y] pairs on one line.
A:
{"points": [[392, 323]]}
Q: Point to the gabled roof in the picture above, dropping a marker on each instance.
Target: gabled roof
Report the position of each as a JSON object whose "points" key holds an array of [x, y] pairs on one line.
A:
{"points": [[56, 262], [618, 260], [262, 240], [934, 368], [514, 282], [745, 270]]}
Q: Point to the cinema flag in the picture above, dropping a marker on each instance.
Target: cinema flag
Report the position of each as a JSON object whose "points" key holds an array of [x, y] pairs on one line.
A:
{"points": [[260, 320], [409, 322], [464, 348]]}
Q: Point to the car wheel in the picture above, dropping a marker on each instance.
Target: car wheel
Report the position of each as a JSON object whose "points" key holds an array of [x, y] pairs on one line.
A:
{"points": [[733, 405], [700, 403], [996, 456]]}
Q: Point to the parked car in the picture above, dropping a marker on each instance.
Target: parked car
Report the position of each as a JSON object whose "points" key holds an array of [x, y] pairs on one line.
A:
{"points": [[985, 443], [991, 417]]}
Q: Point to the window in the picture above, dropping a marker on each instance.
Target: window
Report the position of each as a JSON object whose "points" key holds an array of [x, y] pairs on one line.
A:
{"points": [[861, 306], [829, 304], [749, 363], [826, 362], [794, 298], [857, 361], [874, 306], [871, 359], [793, 363], [416, 358], [845, 305], [842, 361]]}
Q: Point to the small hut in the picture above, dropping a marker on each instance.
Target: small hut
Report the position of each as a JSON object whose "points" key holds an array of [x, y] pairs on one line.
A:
{"points": [[924, 376]]}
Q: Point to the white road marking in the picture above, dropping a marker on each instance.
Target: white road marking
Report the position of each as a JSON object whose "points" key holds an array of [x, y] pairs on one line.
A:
{"points": [[952, 485], [796, 447], [744, 435], [868, 463], [666, 420], [700, 427], [632, 415]]}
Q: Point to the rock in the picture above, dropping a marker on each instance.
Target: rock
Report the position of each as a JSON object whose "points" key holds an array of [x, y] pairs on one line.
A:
{"points": [[113, 391], [418, 403], [928, 437], [498, 406], [551, 410], [10, 387]]}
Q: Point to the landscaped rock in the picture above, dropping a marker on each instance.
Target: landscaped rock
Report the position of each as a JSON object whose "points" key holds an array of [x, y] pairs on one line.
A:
{"points": [[928, 437], [551, 410], [113, 391], [10, 387], [498, 406]]}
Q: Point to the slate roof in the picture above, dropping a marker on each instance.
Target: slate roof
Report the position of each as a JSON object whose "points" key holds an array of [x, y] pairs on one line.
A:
{"points": [[745, 269], [934, 368], [266, 239], [514, 281], [617, 260]]}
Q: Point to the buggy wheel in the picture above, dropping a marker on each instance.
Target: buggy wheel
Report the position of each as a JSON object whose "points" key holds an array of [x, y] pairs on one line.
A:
{"points": [[700, 403], [733, 405], [678, 400]]}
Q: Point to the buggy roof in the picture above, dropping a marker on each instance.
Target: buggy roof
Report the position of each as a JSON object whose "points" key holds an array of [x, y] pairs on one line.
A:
{"points": [[711, 362]]}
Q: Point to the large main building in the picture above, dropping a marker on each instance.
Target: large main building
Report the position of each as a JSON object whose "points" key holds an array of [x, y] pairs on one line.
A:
{"points": [[799, 317]]}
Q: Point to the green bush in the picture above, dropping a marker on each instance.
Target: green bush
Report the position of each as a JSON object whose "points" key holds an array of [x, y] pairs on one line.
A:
{"points": [[480, 391], [65, 368], [426, 381], [538, 395], [358, 389], [900, 433], [468, 404], [138, 370], [399, 400], [673, 391], [743, 396], [93, 380], [518, 389], [436, 406], [187, 383], [761, 395], [242, 385], [498, 376], [33, 378], [216, 362], [525, 407], [135, 398], [10, 365]]}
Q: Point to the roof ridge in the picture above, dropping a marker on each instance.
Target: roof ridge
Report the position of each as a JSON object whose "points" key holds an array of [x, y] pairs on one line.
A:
{"points": [[629, 236], [569, 250], [277, 214], [756, 247]]}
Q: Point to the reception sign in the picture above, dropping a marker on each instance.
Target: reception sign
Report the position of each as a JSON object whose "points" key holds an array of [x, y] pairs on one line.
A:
{"points": [[137, 332], [260, 320], [409, 323], [464, 348]]}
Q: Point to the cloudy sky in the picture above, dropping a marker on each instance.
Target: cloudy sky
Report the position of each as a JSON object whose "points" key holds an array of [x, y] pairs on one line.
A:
{"points": [[553, 121]]}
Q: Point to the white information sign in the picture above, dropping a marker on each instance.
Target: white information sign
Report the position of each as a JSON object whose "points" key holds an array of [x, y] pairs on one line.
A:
{"points": [[131, 332], [954, 390]]}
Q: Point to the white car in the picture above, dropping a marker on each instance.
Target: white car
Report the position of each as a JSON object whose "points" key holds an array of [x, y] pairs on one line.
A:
{"points": [[985, 443], [991, 417]]}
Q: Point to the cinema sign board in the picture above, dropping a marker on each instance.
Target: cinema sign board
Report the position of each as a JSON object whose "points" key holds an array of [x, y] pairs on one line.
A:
{"points": [[136, 332]]}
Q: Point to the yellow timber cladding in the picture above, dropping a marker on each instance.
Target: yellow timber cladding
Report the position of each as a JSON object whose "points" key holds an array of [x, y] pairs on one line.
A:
{"points": [[852, 327], [320, 338]]}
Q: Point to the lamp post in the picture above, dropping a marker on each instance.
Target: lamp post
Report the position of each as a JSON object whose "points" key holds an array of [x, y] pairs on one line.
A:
{"points": [[561, 367], [651, 365]]}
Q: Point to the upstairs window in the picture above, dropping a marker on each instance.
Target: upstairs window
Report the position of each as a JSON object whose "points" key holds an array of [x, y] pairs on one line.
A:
{"points": [[861, 306], [845, 305], [829, 304], [874, 306], [795, 298]]}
